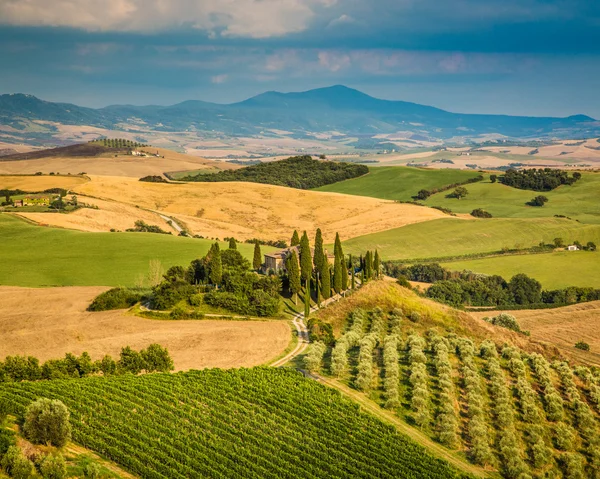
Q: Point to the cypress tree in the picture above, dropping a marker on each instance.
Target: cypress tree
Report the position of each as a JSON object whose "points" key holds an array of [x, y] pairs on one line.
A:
{"points": [[367, 267], [232, 243], [319, 252], [337, 249], [295, 239], [351, 269], [318, 291], [337, 274], [257, 260], [326, 281], [293, 269], [215, 265], [307, 299], [305, 259], [377, 264]]}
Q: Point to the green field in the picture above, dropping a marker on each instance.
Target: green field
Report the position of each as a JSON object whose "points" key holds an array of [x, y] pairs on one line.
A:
{"points": [[580, 201], [553, 270], [38, 256], [244, 423], [452, 237], [398, 182]]}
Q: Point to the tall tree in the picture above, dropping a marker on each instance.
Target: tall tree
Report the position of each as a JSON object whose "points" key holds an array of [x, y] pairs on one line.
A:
{"points": [[295, 239], [377, 264], [305, 259], [307, 299], [232, 243], [351, 269], [257, 260], [337, 249], [215, 265], [318, 290], [326, 281], [319, 252], [367, 267], [293, 270], [337, 274]]}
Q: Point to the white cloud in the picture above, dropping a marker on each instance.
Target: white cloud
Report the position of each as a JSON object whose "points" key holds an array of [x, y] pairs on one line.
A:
{"points": [[231, 18], [219, 78], [341, 20]]}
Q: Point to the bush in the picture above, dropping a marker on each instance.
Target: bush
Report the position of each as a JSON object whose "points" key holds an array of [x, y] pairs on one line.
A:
{"points": [[539, 200], [505, 320], [115, 298], [403, 281], [142, 227], [47, 422], [582, 345], [156, 359], [130, 361], [479, 213], [53, 467]]}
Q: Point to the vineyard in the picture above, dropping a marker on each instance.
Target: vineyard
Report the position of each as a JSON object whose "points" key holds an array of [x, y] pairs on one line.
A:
{"points": [[251, 423], [501, 409]]}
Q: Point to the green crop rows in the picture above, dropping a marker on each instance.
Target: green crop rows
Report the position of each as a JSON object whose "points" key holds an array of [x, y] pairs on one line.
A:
{"points": [[251, 423]]}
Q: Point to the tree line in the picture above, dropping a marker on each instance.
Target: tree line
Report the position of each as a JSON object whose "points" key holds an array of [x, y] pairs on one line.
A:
{"points": [[119, 143], [301, 172]]}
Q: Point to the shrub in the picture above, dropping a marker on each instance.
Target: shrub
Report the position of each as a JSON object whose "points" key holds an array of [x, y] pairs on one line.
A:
{"points": [[582, 345], [539, 200], [156, 359], [115, 298], [130, 361], [403, 281], [414, 316], [479, 213], [47, 422], [505, 320], [53, 467], [178, 312]]}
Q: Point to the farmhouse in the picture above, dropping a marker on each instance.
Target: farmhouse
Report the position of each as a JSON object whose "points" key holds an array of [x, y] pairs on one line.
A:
{"points": [[572, 247], [275, 261], [33, 200]]}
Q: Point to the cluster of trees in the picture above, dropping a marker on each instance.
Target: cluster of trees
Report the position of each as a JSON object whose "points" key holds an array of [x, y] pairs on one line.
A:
{"points": [[115, 298], [589, 246], [313, 361], [505, 320], [553, 402], [447, 423], [229, 280], [154, 179], [418, 378], [47, 423], [364, 377], [143, 227], [424, 194], [118, 143], [154, 358], [301, 172], [539, 200], [480, 451], [545, 179], [479, 213]]}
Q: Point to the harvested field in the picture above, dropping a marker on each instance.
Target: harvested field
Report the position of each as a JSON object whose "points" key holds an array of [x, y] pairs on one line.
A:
{"points": [[562, 327], [122, 165], [39, 183], [47, 323], [247, 210], [109, 215]]}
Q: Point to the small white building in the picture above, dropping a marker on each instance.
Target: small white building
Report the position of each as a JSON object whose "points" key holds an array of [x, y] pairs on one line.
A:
{"points": [[572, 247]]}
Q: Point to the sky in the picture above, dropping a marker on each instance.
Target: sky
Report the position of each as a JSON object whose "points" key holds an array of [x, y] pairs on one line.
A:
{"points": [[518, 57]]}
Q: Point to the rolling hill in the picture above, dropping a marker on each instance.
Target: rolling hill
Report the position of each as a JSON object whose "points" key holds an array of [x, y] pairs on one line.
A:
{"points": [[337, 108]]}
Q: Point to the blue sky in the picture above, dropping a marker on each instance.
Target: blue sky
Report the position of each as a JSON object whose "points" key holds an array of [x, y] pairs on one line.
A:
{"points": [[528, 57]]}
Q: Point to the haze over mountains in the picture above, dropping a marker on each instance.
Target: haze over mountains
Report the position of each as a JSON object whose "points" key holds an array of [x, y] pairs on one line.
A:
{"points": [[336, 109]]}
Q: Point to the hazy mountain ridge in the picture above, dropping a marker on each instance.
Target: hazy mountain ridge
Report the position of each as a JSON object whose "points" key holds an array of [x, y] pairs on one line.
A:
{"points": [[335, 108]]}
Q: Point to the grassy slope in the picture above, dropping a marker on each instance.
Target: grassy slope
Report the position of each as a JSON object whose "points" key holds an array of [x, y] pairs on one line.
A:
{"points": [[398, 182], [579, 201], [452, 236], [554, 270], [37, 256]]}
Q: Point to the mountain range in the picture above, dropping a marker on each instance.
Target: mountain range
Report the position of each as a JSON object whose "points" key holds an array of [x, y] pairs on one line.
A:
{"points": [[333, 109]]}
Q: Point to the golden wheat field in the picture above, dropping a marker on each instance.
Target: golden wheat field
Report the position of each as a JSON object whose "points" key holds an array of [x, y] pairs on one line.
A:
{"points": [[47, 323], [122, 165], [39, 183], [562, 327], [247, 210]]}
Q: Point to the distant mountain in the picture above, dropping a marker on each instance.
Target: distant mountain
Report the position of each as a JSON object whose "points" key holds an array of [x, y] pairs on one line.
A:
{"points": [[337, 108]]}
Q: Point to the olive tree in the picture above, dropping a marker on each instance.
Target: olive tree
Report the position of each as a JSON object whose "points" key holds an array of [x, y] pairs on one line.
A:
{"points": [[47, 422]]}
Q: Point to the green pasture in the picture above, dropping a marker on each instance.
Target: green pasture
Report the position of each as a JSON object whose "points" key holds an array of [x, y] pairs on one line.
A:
{"points": [[553, 270], [453, 236], [38, 256], [580, 201], [398, 182]]}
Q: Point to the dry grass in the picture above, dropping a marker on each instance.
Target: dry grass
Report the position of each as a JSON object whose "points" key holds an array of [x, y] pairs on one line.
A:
{"points": [[563, 327], [39, 183], [123, 165], [110, 214], [247, 210], [47, 323]]}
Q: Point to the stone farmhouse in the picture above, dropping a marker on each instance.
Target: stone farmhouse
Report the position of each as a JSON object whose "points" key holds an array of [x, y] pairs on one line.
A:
{"points": [[275, 261]]}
